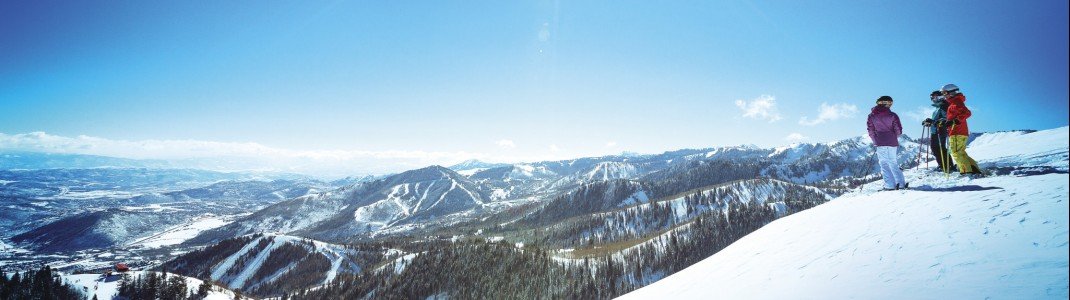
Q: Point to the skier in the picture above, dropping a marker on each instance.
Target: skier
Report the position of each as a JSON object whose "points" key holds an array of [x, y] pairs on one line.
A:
{"points": [[884, 129], [957, 130], [938, 134]]}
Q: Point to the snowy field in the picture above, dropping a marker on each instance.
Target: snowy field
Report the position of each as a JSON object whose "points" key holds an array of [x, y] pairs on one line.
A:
{"points": [[183, 232], [9, 249], [1001, 237]]}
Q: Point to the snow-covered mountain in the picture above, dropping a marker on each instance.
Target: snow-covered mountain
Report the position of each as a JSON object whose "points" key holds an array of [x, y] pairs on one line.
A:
{"points": [[591, 198], [33, 198], [472, 166], [98, 229], [1001, 237], [425, 196], [814, 162], [611, 170], [142, 219], [639, 221], [436, 197]]}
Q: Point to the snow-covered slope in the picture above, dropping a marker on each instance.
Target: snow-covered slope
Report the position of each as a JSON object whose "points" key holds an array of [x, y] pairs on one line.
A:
{"points": [[431, 194], [610, 170], [108, 287], [1000, 237], [264, 262], [96, 229], [182, 232]]}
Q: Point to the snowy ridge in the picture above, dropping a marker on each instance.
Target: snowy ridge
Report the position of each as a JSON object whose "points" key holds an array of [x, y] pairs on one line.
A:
{"points": [[750, 191], [611, 170], [813, 162], [315, 208], [1002, 236], [471, 166], [1019, 149], [425, 193], [659, 217], [732, 152], [395, 203]]}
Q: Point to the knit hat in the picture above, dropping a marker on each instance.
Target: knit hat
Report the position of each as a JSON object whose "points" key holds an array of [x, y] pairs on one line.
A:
{"points": [[885, 98]]}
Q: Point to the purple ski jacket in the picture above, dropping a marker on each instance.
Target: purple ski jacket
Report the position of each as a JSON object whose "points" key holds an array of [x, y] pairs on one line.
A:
{"points": [[884, 127]]}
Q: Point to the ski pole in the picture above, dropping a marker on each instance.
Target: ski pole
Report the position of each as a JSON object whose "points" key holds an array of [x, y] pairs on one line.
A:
{"points": [[943, 152], [917, 157], [928, 153], [925, 130], [948, 174]]}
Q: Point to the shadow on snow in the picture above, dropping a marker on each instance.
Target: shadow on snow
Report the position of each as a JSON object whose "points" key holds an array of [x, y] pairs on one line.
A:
{"points": [[961, 188]]}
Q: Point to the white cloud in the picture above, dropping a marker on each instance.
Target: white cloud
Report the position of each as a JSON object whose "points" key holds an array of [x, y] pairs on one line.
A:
{"points": [[920, 113], [762, 108], [611, 144], [796, 137], [832, 112], [554, 148], [505, 144]]}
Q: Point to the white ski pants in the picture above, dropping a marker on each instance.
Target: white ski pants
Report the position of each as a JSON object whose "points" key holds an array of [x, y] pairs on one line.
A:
{"points": [[889, 164]]}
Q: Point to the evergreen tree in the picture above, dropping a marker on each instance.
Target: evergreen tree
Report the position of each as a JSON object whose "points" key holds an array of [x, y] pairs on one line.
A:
{"points": [[204, 288], [41, 284]]}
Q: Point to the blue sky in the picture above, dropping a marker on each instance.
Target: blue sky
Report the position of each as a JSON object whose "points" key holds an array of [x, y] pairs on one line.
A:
{"points": [[512, 80]]}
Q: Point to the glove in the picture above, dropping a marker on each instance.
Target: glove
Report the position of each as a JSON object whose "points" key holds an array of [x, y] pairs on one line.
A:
{"points": [[927, 122]]}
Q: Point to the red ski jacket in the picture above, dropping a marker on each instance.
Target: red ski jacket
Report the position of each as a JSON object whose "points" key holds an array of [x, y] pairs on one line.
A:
{"points": [[957, 111]]}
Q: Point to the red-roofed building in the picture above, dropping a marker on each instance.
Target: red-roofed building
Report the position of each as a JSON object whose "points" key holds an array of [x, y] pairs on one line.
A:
{"points": [[121, 267]]}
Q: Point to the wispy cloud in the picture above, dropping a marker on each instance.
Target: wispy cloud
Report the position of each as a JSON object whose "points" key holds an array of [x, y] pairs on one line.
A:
{"points": [[505, 144], [796, 137], [761, 108], [555, 148], [833, 112], [611, 144], [920, 113]]}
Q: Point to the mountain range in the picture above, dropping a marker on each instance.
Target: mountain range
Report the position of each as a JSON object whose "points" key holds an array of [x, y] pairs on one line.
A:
{"points": [[630, 219]]}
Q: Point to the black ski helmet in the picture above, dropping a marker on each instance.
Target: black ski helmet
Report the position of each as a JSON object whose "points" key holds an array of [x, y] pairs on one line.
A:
{"points": [[885, 98]]}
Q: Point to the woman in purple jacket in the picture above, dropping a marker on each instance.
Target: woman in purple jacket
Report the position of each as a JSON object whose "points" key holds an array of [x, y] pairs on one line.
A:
{"points": [[884, 130]]}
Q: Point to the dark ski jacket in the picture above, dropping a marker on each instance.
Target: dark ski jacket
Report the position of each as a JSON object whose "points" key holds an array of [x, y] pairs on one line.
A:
{"points": [[884, 127], [957, 111], [939, 115]]}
